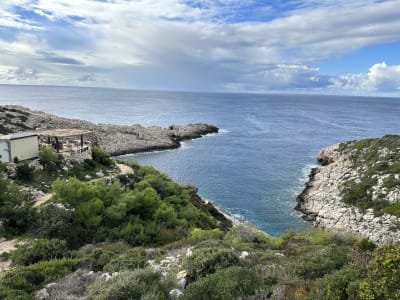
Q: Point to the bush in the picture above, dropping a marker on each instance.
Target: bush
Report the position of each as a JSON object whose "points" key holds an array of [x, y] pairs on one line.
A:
{"points": [[197, 234], [204, 261], [101, 156], [318, 263], [231, 283], [30, 278], [16, 212], [138, 284], [34, 251], [89, 164], [383, 274], [97, 258], [393, 209], [25, 172], [56, 222], [342, 284], [130, 260], [49, 158]]}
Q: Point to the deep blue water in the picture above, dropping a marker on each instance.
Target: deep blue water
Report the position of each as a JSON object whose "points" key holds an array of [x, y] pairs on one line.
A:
{"points": [[257, 164]]}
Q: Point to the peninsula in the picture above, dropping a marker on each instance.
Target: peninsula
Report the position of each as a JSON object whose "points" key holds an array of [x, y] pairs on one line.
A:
{"points": [[115, 139], [356, 189]]}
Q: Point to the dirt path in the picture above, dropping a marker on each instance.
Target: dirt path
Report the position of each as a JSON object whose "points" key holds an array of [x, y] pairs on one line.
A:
{"points": [[6, 246], [43, 199], [124, 169]]}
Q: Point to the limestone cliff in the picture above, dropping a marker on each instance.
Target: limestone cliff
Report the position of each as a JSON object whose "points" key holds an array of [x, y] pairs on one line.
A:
{"points": [[356, 189]]}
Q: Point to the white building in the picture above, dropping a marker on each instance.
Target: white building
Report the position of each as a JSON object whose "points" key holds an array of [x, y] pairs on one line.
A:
{"points": [[22, 145]]}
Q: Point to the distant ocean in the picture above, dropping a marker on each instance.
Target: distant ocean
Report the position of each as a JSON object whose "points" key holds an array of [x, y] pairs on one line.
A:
{"points": [[257, 164]]}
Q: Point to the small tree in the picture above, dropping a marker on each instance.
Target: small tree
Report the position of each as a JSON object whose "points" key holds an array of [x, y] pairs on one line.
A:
{"points": [[49, 158], [101, 156], [25, 172]]}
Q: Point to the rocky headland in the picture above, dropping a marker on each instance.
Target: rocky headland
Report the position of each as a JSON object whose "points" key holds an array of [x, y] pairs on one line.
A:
{"points": [[356, 189], [116, 139]]}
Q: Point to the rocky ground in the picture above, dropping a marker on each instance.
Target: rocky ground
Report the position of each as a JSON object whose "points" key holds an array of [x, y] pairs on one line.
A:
{"points": [[116, 139], [350, 190]]}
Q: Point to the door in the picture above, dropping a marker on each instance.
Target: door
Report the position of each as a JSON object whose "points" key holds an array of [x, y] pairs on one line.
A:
{"points": [[5, 154]]}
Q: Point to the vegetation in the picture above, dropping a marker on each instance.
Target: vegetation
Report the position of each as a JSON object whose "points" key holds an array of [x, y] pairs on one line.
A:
{"points": [[17, 215], [55, 167], [33, 251], [128, 228], [373, 158], [101, 156]]}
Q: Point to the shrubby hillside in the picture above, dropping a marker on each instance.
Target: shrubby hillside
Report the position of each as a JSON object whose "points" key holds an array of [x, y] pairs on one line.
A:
{"points": [[142, 236]]}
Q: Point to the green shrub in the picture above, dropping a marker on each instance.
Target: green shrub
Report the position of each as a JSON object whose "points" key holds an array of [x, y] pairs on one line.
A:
{"points": [[25, 172], [365, 245], [316, 264], [342, 284], [130, 260], [101, 156], [89, 164], [33, 251], [133, 285], [383, 274], [97, 258], [197, 234], [16, 212], [11, 294], [231, 283], [393, 209], [204, 261], [30, 278], [49, 159], [56, 222]]}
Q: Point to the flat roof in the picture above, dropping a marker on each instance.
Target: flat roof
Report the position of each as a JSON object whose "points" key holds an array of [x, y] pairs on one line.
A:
{"points": [[17, 135], [62, 132]]}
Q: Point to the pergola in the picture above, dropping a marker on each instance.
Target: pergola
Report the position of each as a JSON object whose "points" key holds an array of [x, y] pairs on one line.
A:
{"points": [[58, 134]]}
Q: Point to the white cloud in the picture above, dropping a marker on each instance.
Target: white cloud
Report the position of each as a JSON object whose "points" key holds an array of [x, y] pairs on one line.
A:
{"points": [[381, 77], [171, 44]]}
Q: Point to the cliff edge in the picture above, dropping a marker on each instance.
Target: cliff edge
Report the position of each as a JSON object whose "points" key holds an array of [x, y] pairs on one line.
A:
{"points": [[116, 139], [356, 189]]}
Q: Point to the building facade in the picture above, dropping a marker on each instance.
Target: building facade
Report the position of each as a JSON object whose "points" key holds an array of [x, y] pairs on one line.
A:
{"points": [[18, 146]]}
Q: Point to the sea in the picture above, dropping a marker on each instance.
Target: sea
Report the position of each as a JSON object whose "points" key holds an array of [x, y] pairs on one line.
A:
{"points": [[260, 159]]}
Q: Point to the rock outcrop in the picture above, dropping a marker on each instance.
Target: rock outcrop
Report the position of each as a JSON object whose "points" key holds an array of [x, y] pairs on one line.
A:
{"points": [[116, 139], [348, 192]]}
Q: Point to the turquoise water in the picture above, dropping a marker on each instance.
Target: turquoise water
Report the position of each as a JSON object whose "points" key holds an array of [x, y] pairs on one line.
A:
{"points": [[258, 162]]}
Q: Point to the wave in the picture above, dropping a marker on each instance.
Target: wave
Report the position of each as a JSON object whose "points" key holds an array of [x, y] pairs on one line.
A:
{"points": [[305, 172], [221, 131]]}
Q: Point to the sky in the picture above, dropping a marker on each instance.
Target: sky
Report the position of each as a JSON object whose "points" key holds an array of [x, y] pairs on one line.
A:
{"points": [[315, 46]]}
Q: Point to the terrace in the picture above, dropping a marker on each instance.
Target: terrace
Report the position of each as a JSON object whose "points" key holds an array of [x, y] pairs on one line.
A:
{"points": [[68, 142]]}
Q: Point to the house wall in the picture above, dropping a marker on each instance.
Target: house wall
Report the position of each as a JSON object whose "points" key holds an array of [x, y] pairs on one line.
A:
{"points": [[24, 148], [4, 152]]}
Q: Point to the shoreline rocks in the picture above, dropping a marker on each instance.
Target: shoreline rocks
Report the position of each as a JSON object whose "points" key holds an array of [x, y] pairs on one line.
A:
{"points": [[116, 139], [321, 200]]}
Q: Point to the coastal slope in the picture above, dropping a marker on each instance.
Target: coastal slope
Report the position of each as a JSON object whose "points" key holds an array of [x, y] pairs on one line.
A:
{"points": [[116, 139], [356, 189]]}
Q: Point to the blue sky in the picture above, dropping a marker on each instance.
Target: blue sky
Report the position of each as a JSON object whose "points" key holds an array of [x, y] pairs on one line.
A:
{"points": [[316, 46]]}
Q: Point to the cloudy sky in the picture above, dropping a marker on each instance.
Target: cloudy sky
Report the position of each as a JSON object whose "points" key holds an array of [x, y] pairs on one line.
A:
{"points": [[321, 46]]}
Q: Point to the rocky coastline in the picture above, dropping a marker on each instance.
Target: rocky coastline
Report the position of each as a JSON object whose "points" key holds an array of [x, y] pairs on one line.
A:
{"points": [[321, 201], [116, 139]]}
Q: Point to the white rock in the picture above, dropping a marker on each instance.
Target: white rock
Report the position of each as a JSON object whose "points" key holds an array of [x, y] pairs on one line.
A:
{"points": [[175, 293], [244, 254]]}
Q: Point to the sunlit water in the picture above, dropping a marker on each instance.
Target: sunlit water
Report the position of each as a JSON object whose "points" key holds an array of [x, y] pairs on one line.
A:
{"points": [[258, 162]]}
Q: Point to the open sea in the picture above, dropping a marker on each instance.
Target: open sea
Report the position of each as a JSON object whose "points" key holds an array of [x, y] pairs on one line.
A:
{"points": [[257, 164]]}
